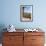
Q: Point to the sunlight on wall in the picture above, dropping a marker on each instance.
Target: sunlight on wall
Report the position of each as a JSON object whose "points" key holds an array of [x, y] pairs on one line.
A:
{"points": [[44, 44]]}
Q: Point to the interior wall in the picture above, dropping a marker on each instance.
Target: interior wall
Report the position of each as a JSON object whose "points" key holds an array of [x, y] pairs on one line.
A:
{"points": [[10, 13]]}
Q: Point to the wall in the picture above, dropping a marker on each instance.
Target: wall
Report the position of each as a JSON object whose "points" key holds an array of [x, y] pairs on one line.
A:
{"points": [[10, 13]]}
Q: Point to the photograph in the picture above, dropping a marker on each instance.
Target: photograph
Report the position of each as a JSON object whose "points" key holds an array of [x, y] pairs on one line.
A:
{"points": [[26, 13]]}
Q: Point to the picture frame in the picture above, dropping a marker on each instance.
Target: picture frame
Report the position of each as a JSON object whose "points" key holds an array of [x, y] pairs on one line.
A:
{"points": [[26, 13]]}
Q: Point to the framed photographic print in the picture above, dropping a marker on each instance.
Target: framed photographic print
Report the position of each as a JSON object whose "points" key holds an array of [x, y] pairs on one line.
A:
{"points": [[26, 13]]}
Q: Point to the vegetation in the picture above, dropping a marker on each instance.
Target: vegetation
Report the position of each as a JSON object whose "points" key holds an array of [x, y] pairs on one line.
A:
{"points": [[27, 15]]}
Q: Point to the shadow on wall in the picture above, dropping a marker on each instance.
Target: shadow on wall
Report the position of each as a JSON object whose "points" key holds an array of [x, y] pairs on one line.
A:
{"points": [[2, 26]]}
